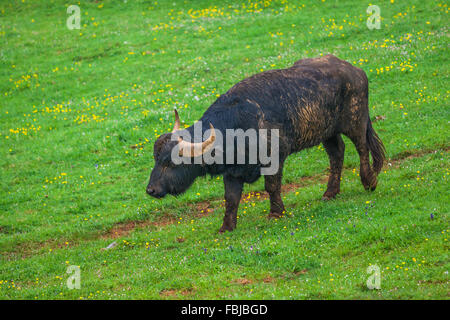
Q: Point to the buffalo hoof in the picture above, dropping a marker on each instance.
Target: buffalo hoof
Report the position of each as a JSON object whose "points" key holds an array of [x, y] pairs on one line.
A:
{"points": [[370, 185], [275, 215], [371, 188], [329, 195], [225, 228]]}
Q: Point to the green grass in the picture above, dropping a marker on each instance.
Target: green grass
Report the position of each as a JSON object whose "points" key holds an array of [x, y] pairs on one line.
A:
{"points": [[75, 103]]}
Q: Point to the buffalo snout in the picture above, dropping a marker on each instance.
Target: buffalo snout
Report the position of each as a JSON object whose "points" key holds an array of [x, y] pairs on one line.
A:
{"points": [[155, 191], [150, 190]]}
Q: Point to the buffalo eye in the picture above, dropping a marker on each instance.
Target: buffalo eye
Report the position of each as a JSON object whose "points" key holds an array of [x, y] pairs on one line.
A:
{"points": [[166, 161]]}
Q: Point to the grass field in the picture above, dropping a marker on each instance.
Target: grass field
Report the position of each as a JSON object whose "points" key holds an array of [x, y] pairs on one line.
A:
{"points": [[81, 109]]}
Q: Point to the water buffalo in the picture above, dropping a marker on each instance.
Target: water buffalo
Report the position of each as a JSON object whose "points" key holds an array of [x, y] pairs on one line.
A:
{"points": [[314, 101]]}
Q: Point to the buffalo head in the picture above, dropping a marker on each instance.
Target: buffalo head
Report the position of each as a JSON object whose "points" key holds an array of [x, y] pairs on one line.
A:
{"points": [[168, 177]]}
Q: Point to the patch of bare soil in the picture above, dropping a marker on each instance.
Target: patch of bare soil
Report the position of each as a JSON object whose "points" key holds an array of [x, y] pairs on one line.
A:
{"points": [[203, 208], [268, 279], [122, 229], [304, 271], [176, 292], [408, 154], [242, 281]]}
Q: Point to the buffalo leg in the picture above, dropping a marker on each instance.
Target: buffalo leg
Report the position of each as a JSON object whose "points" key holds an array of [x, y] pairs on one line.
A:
{"points": [[357, 132], [272, 185], [335, 148], [233, 192], [368, 177]]}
